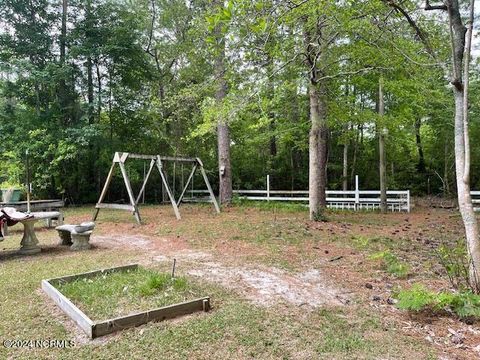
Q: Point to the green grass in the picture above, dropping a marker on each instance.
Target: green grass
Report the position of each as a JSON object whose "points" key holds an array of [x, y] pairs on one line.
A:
{"points": [[120, 293], [281, 206], [235, 328], [392, 264]]}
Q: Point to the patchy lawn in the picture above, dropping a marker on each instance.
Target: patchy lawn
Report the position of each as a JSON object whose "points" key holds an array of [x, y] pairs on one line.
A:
{"points": [[281, 286], [124, 292]]}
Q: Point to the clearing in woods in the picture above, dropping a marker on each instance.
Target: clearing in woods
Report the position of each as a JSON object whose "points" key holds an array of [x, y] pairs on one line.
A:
{"points": [[281, 286]]}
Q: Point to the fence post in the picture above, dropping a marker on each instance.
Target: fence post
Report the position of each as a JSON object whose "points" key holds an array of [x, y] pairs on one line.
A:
{"points": [[408, 200], [268, 187], [357, 194]]}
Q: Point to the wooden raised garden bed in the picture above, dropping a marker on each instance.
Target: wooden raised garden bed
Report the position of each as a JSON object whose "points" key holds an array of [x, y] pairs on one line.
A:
{"points": [[95, 328]]}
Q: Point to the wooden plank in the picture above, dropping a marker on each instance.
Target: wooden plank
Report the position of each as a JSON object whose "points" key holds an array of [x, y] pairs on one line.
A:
{"points": [[98, 328], [115, 206], [249, 191], [166, 158], [275, 198], [130, 192], [377, 200], [167, 312], [305, 192], [143, 157], [389, 192], [165, 183], [190, 177], [90, 274], [36, 203], [197, 200], [212, 195], [181, 159], [334, 200], [104, 190], [82, 320], [152, 164]]}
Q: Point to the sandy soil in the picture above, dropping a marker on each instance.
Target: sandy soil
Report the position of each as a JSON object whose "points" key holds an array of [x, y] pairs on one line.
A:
{"points": [[326, 272]]}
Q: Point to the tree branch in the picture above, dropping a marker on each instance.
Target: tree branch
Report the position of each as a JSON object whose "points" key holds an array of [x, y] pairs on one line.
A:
{"points": [[420, 34], [150, 35], [434, 7], [355, 72]]}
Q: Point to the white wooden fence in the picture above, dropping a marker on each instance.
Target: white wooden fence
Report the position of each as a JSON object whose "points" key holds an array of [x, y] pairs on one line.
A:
{"points": [[475, 200], [397, 201]]}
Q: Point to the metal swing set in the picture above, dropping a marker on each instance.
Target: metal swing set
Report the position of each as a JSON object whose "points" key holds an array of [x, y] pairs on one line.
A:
{"points": [[155, 161]]}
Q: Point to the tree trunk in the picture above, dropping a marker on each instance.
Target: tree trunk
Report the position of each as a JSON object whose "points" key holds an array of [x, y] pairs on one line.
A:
{"points": [[272, 125], [345, 161], [381, 150], [345, 167], [88, 14], [461, 45], [223, 131], [464, 198], [446, 181], [317, 148], [90, 90], [63, 44], [99, 89], [317, 152], [110, 106], [355, 151], [421, 159]]}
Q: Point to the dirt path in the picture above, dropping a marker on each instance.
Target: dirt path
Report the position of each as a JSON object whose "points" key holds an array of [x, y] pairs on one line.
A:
{"points": [[262, 285]]}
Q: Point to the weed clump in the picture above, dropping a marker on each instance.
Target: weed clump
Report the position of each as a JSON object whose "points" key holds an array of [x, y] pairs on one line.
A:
{"points": [[162, 282], [418, 298], [392, 264]]}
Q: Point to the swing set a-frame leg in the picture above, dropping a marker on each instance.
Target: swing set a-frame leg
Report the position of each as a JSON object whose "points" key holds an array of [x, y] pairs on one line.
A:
{"points": [[169, 192], [156, 160], [130, 192], [205, 178], [190, 177], [152, 164], [104, 191]]}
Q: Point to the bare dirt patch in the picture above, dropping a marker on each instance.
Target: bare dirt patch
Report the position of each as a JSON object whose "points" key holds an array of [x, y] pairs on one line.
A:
{"points": [[264, 286], [269, 286], [139, 242]]}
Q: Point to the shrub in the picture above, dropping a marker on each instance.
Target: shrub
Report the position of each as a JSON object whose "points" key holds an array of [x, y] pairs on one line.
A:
{"points": [[454, 259], [418, 298]]}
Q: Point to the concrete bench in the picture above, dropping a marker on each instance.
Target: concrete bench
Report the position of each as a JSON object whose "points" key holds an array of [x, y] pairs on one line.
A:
{"points": [[77, 236]]}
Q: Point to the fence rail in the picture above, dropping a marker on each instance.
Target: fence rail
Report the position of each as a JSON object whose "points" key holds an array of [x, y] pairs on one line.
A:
{"points": [[397, 201], [475, 200]]}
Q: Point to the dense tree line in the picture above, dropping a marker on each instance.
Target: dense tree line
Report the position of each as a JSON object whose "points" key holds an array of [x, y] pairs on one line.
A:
{"points": [[263, 81]]}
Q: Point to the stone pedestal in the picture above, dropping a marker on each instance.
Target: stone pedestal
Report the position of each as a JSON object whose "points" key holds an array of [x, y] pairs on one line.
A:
{"points": [[29, 243], [81, 240], [64, 231]]}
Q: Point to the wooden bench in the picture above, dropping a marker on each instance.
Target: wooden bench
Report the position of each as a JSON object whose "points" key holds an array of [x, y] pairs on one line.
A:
{"points": [[76, 236], [38, 206]]}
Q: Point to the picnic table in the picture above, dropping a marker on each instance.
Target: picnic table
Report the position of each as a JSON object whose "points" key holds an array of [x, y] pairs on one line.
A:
{"points": [[29, 243]]}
